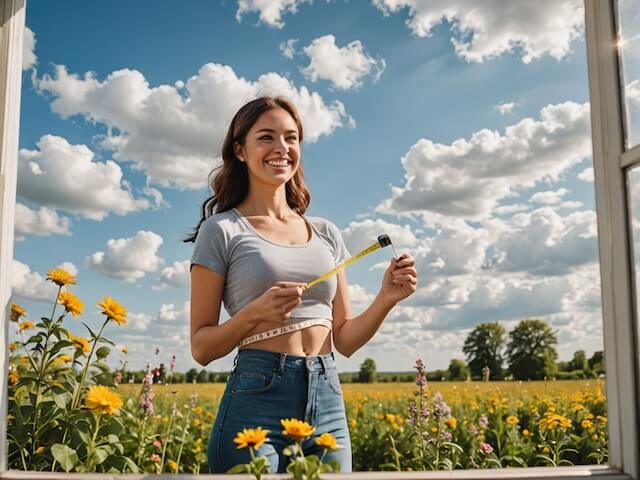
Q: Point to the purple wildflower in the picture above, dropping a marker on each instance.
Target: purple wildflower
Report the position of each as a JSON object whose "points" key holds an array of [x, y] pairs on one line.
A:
{"points": [[486, 448], [483, 421], [146, 397]]}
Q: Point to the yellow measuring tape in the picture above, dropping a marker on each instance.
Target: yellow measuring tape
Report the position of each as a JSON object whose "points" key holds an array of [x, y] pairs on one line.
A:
{"points": [[383, 241]]}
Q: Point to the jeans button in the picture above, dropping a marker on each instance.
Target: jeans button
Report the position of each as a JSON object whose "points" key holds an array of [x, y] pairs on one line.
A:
{"points": [[309, 363]]}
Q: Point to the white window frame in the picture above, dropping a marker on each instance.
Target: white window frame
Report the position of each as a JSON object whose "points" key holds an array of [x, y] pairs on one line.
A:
{"points": [[620, 335]]}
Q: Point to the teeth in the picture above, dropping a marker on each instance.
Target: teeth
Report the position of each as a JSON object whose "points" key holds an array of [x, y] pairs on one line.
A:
{"points": [[278, 164]]}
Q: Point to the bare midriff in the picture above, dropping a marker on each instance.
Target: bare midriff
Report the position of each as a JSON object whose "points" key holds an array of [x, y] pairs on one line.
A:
{"points": [[314, 340]]}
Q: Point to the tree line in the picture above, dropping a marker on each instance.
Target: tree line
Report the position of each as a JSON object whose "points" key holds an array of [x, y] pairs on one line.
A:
{"points": [[528, 352]]}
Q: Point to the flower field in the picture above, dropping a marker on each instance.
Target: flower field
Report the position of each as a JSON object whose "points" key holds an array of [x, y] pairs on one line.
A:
{"points": [[66, 412]]}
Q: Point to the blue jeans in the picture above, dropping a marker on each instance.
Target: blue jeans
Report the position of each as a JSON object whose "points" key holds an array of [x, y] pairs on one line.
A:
{"points": [[265, 387]]}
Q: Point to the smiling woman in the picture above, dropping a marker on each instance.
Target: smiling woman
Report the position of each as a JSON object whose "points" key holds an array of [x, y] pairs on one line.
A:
{"points": [[168, 156]]}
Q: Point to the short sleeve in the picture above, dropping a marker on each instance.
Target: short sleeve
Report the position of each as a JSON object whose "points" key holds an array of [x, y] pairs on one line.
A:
{"points": [[340, 252], [210, 249]]}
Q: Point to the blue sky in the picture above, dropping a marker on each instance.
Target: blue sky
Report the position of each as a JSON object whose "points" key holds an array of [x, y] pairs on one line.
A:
{"points": [[462, 133]]}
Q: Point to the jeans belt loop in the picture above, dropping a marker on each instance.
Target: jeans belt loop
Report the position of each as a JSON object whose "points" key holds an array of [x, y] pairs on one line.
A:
{"points": [[324, 366], [235, 363], [283, 358]]}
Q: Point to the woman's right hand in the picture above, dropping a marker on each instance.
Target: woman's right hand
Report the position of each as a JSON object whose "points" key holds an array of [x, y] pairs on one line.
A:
{"points": [[276, 304]]}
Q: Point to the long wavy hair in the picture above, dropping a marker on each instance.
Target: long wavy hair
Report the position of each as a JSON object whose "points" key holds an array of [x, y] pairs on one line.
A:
{"points": [[230, 181]]}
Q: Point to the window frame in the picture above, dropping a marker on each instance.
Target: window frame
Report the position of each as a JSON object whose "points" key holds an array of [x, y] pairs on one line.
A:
{"points": [[619, 327]]}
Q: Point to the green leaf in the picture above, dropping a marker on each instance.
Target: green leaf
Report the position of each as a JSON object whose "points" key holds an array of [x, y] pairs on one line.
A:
{"points": [[93, 335], [240, 468], [102, 352], [107, 341], [101, 454], [65, 456]]}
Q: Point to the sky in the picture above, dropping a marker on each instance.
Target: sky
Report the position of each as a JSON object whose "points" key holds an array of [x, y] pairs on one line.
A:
{"points": [[462, 133]]}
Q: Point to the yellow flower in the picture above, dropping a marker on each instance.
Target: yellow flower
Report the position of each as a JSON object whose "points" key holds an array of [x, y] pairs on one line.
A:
{"points": [[80, 343], [390, 417], [196, 423], [24, 360], [172, 465], [27, 324], [13, 377], [71, 303], [40, 450], [601, 419], [327, 441], [353, 423], [525, 433], [546, 450], [451, 422], [251, 437], [551, 421], [125, 349], [297, 429], [519, 404], [512, 420], [594, 437], [434, 429], [16, 312], [13, 346], [61, 277], [113, 310], [102, 400], [62, 359], [586, 424]]}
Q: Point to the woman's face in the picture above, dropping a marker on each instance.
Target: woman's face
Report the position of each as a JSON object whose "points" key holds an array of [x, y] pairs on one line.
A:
{"points": [[271, 149]]}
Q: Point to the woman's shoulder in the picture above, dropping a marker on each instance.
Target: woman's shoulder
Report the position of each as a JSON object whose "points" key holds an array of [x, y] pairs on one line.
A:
{"points": [[219, 221], [325, 226]]}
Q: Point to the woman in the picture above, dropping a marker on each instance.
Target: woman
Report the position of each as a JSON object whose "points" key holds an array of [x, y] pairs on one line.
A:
{"points": [[256, 253]]}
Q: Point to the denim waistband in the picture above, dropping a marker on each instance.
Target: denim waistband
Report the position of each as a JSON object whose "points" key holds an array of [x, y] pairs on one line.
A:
{"points": [[284, 361]]}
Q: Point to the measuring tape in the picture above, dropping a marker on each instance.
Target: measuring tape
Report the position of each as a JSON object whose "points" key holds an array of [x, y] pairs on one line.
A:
{"points": [[383, 241], [286, 329]]}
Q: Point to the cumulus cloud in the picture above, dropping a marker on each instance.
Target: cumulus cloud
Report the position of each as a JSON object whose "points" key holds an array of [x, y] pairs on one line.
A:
{"points": [[29, 59], [484, 30], [469, 177], [359, 235], [42, 222], [30, 285], [60, 175], [269, 11], [344, 67], [586, 175], [544, 243], [504, 108], [288, 48], [128, 259], [632, 92], [549, 197], [171, 132], [176, 275]]}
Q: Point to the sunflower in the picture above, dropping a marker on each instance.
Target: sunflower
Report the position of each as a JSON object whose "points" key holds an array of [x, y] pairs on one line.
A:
{"points": [[61, 277], [13, 377], [512, 420], [327, 441], [16, 312], [71, 303], [102, 400], [251, 437], [125, 349], [172, 465], [80, 343], [297, 429], [62, 359], [13, 346], [113, 310], [27, 324], [451, 422]]}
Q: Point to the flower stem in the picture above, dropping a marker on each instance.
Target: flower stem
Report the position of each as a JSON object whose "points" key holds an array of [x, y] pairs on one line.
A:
{"points": [[78, 389]]}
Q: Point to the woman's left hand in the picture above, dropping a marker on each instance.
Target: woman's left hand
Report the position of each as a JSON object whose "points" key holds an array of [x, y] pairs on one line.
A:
{"points": [[400, 279]]}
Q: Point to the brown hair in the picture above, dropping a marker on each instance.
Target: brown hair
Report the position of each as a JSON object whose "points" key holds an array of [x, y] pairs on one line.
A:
{"points": [[230, 184]]}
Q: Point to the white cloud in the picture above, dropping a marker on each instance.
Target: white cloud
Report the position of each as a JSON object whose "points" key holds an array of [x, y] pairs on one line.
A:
{"points": [[173, 134], [33, 286], [359, 235], [487, 29], [542, 242], [42, 222], [68, 177], [176, 275], [549, 197], [269, 11], [632, 92], [344, 67], [508, 209], [586, 175], [505, 108], [469, 177], [29, 59], [288, 48], [128, 259]]}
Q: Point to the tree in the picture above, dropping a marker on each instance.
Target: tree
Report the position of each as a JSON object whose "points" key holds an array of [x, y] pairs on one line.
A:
{"points": [[578, 362], [203, 376], [192, 373], [367, 372], [458, 369], [596, 362], [483, 347], [531, 350]]}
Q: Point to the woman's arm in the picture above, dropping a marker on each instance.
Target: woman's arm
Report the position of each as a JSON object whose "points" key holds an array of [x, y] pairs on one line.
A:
{"points": [[350, 333], [209, 340]]}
